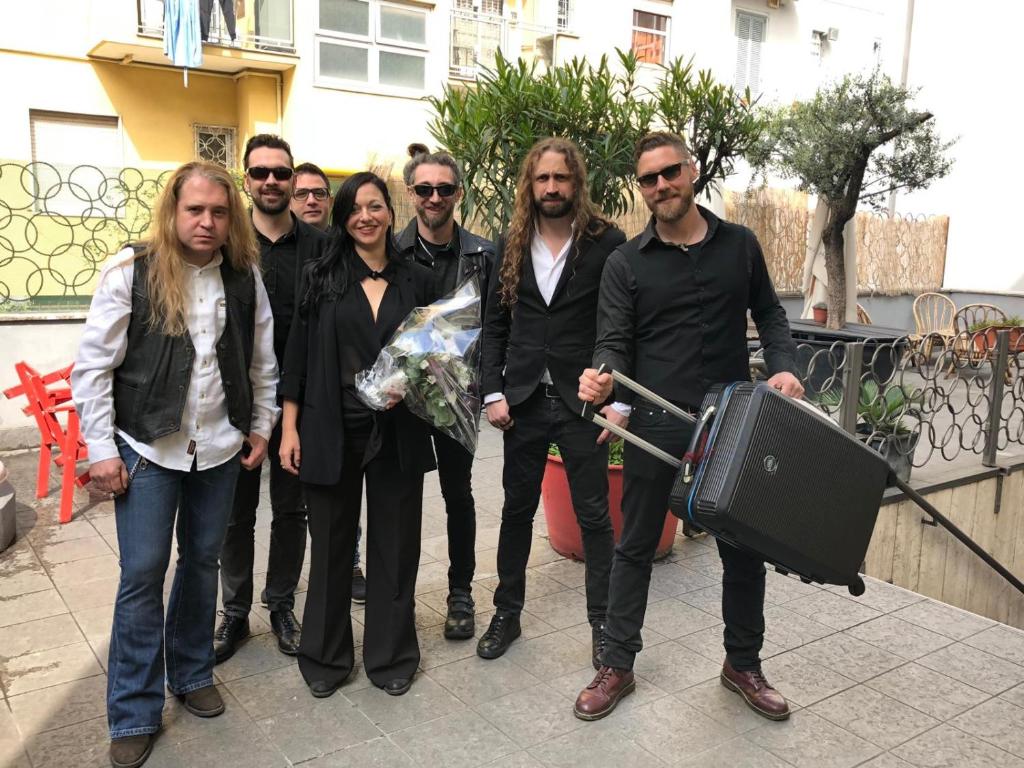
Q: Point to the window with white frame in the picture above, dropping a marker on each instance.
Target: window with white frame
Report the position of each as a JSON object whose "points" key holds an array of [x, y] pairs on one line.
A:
{"points": [[372, 43], [650, 37], [78, 159], [749, 37], [564, 20]]}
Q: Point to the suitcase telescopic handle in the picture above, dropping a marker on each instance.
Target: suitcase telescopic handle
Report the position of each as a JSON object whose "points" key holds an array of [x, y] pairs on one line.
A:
{"points": [[698, 442]]}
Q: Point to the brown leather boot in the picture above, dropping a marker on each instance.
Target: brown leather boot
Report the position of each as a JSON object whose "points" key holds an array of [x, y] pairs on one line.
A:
{"points": [[600, 697], [203, 702], [756, 691], [131, 751]]}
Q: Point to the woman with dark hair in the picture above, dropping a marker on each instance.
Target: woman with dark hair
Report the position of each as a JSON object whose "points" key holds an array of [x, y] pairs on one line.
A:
{"points": [[352, 302]]}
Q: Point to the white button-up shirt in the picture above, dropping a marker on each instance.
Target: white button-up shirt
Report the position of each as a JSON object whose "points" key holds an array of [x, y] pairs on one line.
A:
{"points": [[205, 435]]}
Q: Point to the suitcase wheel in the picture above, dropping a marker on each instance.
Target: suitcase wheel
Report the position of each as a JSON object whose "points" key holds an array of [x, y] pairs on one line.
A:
{"points": [[783, 571], [805, 580], [857, 587]]}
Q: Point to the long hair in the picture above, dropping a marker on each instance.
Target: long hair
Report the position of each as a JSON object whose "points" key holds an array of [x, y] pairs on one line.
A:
{"points": [[330, 275], [167, 276], [586, 217]]}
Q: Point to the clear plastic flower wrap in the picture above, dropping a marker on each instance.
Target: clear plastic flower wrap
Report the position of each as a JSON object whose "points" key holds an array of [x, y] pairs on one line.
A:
{"points": [[433, 361]]}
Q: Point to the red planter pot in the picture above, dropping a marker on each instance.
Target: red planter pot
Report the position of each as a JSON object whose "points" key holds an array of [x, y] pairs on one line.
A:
{"points": [[564, 531]]}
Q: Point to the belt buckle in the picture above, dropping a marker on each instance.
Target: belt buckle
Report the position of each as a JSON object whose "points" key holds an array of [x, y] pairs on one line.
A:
{"points": [[550, 391]]}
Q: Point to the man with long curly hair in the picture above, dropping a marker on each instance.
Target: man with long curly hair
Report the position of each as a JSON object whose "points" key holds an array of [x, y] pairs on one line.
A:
{"points": [[175, 373], [538, 336]]}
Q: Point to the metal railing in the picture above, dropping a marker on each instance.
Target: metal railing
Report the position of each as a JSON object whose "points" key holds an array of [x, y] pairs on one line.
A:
{"points": [[264, 25]]}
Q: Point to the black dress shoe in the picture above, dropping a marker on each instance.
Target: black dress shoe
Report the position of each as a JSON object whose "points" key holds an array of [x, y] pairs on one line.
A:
{"points": [[289, 633], [131, 751], [398, 686], [358, 586], [322, 689], [495, 641], [226, 638], [597, 643], [460, 623]]}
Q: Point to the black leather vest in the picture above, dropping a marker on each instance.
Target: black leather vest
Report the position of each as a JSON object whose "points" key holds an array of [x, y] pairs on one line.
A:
{"points": [[151, 385]]}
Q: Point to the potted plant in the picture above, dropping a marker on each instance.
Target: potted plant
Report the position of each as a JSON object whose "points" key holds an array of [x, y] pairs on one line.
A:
{"points": [[820, 312], [984, 332], [564, 530]]}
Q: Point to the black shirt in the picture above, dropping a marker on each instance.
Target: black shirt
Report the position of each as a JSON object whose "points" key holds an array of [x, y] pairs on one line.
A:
{"points": [[360, 338], [443, 259], [676, 320], [279, 261]]}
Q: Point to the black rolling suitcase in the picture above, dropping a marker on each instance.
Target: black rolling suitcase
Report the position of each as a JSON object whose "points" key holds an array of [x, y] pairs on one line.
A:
{"points": [[773, 476]]}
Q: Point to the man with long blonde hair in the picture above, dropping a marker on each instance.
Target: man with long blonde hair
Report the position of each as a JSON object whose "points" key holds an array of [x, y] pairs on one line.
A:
{"points": [[174, 381], [538, 337]]}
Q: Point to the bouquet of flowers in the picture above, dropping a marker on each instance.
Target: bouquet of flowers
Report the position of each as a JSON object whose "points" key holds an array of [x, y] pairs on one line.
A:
{"points": [[432, 362]]}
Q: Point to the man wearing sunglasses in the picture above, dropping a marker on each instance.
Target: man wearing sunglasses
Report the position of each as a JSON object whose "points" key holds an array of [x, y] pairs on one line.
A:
{"points": [[286, 244], [311, 196], [433, 238], [673, 316]]}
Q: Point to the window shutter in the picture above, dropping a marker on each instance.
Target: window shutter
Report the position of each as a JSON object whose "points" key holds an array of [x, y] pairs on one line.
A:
{"points": [[742, 44], [749, 36], [754, 57]]}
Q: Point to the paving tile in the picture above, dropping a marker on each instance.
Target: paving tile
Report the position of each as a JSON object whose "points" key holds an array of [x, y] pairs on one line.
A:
{"points": [[458, 740], [60, 705], [886, 760], [673, 667], [178, 725], [23, 583], [832, 610], [850, 657], [709, 564], [571, 573], [809, 741], [82, 571], [974, 667], [516, 760], [537, 584], [874, 716], [550, 655], [780, 590], [789, 630], [673, 619], [948, 747], [945, 619], [12, 750], [928, 691], [38, 635], [70, 551], [268, 693], [475, 680], [737, 752], [709, 644], [670, 728], [325, 727], [996, 721], [881, 596], [708, 599], [83, 745], [1002, 641], [35, 605], [801, 681], [235, 748], [90, 594], [255, 655], [435, 650], [561, 609], [906, 640], [42, 536], [32, 671], [425, 701], [531, 716], [379, 753], [675, 579], [95, 623], [722, 705], [594, 747]]}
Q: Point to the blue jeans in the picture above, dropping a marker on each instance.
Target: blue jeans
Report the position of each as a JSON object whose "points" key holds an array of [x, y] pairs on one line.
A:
{"points": [[140, 636]]}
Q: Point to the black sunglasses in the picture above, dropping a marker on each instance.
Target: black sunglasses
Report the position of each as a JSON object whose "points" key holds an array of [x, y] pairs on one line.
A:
{"points": [[261, 172], [320, 193], [669, 173], [427, 191]]}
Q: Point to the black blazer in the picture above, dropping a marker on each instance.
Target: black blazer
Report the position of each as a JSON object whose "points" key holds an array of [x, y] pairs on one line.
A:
{"points": [[312, 376], [521, 341]]}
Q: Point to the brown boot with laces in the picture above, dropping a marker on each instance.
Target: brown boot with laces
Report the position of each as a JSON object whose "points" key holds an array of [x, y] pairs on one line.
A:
{"points": [[756, 691], [602, 695]]}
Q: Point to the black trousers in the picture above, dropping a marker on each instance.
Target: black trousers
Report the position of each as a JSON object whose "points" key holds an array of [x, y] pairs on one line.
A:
{"points": [[394, 510], [287, 537], [455, 471], [541, 419], [647, 483], [227, 7]]}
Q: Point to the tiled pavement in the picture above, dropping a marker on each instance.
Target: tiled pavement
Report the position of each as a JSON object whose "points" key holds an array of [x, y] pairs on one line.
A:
{"points": [[886, 680]]}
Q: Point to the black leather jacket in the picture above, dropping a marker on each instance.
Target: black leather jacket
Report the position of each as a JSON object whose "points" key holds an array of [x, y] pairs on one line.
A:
{"points": [[476, 257]]}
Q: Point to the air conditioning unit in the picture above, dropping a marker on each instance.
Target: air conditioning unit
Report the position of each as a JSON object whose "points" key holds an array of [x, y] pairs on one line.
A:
{"points": [[833, 34]]}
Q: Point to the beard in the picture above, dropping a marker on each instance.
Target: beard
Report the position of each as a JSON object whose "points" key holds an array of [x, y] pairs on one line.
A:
{"points": [[271, 208], [672, 209], [435, 219], [553, 207]]}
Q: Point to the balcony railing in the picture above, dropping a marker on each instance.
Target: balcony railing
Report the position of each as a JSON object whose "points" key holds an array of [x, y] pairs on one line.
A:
{"points": [[477, 37], [265, 25]]}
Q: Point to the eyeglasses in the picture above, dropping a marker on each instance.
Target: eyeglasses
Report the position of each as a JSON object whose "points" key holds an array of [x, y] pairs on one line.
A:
{"points": [[427, 191], [320, 193], [668, 173], [261, 172]]}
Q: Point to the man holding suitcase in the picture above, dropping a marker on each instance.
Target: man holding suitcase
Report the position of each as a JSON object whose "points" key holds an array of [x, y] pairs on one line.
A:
{"points": [[673, 315]]}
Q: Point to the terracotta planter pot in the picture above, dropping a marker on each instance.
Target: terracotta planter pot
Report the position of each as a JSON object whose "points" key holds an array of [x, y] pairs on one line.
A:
{"points": [[985, 341], [819, 315], [564, 531]]}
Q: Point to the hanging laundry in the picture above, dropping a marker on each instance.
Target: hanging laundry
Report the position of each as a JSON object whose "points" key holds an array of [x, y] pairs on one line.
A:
{"points": [[182, 42]]}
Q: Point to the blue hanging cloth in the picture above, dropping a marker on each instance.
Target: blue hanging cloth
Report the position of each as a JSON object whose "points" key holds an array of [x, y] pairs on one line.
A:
{"points": [[182, 41]]}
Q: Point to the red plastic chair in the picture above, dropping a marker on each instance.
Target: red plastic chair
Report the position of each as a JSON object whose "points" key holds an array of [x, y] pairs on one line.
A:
{"points": [[45, 404]]}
